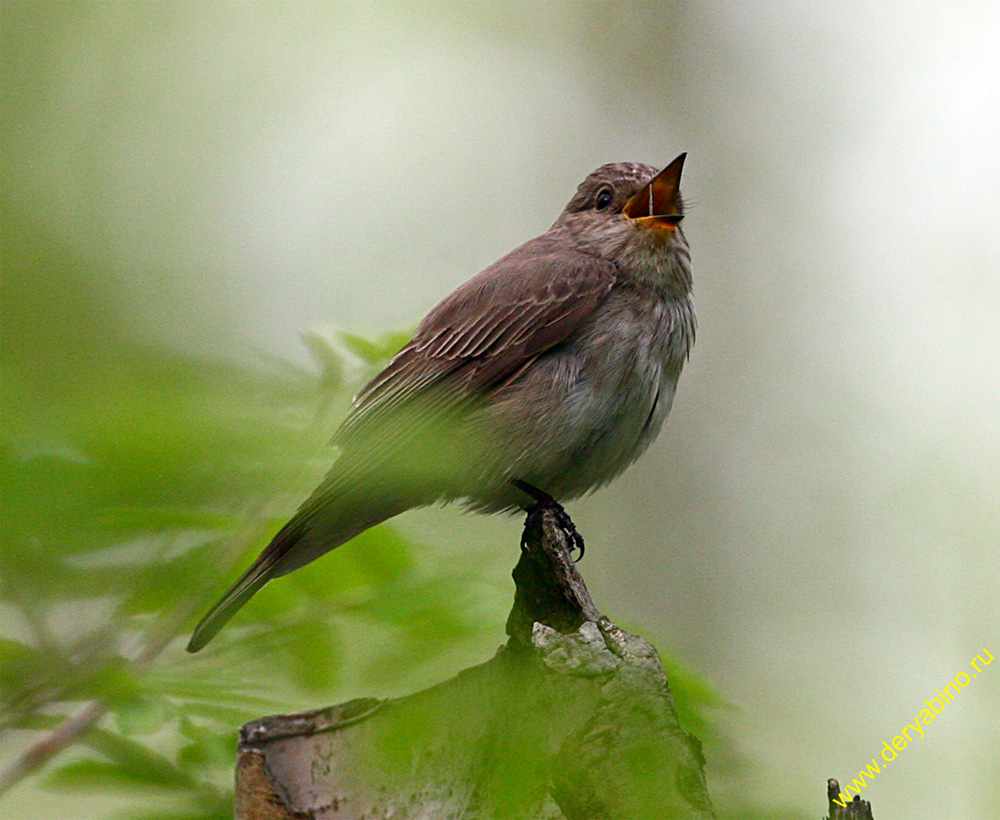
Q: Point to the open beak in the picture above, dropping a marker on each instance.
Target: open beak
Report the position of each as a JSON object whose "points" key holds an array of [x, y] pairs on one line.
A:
{"points": [[656, 205]]}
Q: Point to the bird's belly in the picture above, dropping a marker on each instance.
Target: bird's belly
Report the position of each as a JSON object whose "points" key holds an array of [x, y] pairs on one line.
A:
{"points": [[574, 424], [615, 428]]}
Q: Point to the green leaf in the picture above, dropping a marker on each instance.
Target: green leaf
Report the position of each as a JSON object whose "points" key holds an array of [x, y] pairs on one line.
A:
{"points": [[210, 747], [147, 767], [212, 685], [377, 351], [40, 722], [205, 805], [159, 587], [115, 682], [96, 775], [134, 520], [347, 576], [314, 656], [327, 357], [20, 664], [142, 715], [226, 715]]}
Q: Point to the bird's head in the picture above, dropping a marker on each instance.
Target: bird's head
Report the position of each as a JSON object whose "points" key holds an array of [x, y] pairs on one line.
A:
{"points": [[631, 213]]}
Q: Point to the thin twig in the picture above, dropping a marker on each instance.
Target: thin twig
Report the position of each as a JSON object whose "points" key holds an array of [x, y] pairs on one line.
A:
{"points": [[158, 639], [55, 742]]}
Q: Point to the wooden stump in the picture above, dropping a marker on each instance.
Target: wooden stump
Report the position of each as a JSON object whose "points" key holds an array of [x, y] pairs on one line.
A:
{"points": [[856, 809], [572, 719]]}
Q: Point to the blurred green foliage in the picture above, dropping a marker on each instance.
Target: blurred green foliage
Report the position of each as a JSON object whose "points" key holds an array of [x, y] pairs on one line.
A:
{"points": [[136, 483]]}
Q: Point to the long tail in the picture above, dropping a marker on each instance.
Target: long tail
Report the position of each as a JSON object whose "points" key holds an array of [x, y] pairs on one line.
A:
{"points": [[250, 582], [327, 520]]}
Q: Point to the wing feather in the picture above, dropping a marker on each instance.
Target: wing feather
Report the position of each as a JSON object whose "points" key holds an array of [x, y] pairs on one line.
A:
{"points": [[516, 309]]}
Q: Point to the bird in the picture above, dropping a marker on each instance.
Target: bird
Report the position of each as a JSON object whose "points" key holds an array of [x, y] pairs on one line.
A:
{"points": [[538, 380]]}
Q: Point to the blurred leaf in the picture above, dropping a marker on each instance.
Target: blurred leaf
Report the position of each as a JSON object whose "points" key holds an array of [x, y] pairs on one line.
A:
{"points": [[314, 656], [129, 764], [206, 807], [129, 521], [374, 558], [154, 588], [19, 664], [383, 554], [33, 678], [694, 697], [326, 357], [114, 683], [150, 771], [377, 351], [41, 721], [209, 747], [142, 715], [29, 678], [211, 691], [224, 714]]}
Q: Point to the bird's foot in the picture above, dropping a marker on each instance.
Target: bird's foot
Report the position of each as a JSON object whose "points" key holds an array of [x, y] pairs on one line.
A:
{"points": [[543, 502]]}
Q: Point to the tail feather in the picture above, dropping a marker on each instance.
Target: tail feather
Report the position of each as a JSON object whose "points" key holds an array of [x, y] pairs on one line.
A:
{"points": [[249, 584], [317, 528], [239, 593]]}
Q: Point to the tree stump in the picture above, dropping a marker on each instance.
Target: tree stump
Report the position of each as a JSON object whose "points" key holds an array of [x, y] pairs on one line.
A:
{"points": [[571, 719]]}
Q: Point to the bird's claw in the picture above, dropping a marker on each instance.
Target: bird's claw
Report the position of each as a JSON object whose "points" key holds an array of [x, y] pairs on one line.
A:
{"points": [[543, 502]]}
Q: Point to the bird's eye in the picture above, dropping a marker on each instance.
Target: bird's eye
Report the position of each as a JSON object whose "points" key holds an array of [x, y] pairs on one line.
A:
{"points": [[604, 199]]}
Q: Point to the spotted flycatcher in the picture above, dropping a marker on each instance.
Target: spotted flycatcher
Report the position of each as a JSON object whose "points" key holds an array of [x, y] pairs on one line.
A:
{"points": [[541, 378]]}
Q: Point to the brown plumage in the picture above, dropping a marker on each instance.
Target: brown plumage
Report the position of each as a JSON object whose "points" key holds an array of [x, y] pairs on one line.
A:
{"points": [[554, 366]]}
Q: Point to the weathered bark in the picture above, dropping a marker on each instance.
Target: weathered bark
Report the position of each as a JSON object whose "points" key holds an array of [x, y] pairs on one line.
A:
{"points": [[856, 809], [572, 719]]}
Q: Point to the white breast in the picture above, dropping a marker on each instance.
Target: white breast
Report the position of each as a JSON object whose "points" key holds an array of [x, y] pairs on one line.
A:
{"points": [[587, 409]]}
